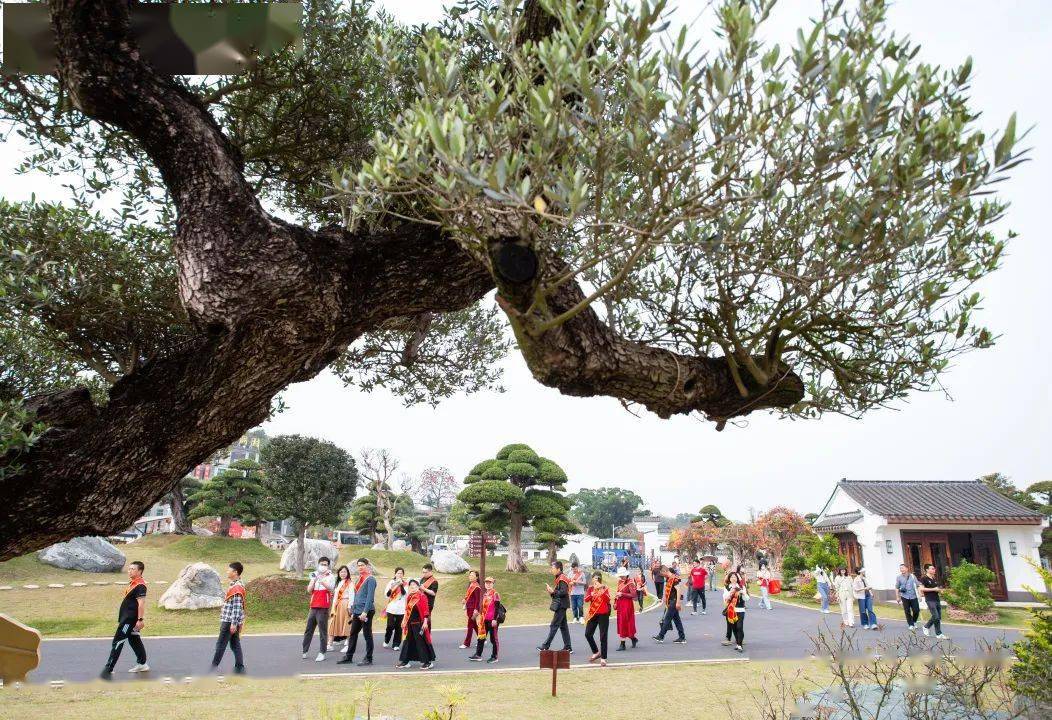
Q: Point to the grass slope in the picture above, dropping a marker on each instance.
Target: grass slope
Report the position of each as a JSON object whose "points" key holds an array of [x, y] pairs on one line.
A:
{"points": [[91, 611]]}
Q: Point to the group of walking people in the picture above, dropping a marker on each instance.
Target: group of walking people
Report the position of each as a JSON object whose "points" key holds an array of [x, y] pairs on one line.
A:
{"points": [[854, 591]]}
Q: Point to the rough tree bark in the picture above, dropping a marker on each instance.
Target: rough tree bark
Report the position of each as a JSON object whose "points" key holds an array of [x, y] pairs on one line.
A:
{"points": [[301, 534], [515, 563], [181, 524], [275, 303]]}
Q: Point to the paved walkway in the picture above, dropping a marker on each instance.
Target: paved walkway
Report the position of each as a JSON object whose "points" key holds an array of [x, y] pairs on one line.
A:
{"points": [[778, 634]]}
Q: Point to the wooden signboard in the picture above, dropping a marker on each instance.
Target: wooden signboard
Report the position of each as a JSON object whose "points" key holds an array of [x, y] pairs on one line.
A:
{"points": [[19, 650], [555, 660]]}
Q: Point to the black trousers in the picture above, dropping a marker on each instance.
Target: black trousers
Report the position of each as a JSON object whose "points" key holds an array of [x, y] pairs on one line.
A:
{"points": [[737, 629], [558, 624], [912, 610], [695, 595], [936, 616], [659, 588], [317, 618], [603, 623], [639, 598], [393, 631], [126, 633], [494, 641], [228, 638], [358, 626], [671, 618]]}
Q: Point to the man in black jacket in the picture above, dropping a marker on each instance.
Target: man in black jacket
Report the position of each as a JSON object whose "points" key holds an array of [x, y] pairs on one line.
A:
{"points": [[560, 595]]}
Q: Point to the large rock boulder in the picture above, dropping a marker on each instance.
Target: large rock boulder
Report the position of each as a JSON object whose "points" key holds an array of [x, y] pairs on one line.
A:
{"points": [[449, 563], [313, 550], [379, 546], [198, 586], [399, 545], [87, 554]]}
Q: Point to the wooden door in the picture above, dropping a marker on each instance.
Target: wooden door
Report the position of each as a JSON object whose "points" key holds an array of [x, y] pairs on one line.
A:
{"points": [[987, 552]]}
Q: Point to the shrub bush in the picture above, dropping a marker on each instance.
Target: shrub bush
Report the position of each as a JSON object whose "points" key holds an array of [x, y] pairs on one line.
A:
{"points": [[970, 588], [807, 589], [1032, 671]]}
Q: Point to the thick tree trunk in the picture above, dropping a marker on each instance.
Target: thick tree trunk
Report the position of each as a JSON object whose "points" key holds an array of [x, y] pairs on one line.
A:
{"points": [[301, 533], [388, 534], [274, 303], [181, 524], [224, 525], [552, 553], [515, 563]]}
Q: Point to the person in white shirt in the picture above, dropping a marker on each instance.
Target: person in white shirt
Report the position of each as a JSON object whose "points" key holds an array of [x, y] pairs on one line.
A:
{"points": [[822, 580], [395, 594], [842, 585], [763, 576], [864, 596]]}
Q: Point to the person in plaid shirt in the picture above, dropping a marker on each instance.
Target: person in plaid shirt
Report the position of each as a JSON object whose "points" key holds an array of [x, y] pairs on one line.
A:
{"points": [[232, 619]]}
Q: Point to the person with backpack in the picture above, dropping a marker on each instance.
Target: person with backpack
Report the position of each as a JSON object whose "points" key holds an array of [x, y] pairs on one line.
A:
{"points": [[490, 617], [599, 606]]}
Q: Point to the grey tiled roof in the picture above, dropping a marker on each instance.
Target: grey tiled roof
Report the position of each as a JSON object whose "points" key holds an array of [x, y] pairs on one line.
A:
{"points": [[936, 500], [836, 521]]}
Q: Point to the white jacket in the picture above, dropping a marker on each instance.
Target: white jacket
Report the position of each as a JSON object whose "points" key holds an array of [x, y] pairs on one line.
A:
{"points": [[395, 607], [859, 587], [843, 585]]}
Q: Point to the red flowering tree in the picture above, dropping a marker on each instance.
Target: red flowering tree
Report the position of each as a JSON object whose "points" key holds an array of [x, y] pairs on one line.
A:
{"points": [[743, 539], [694, 540], [777, 528]]}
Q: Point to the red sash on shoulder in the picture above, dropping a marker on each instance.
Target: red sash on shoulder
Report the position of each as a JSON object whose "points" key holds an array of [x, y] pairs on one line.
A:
{"points": [[132, 584], [235, 589], [417, 601]]}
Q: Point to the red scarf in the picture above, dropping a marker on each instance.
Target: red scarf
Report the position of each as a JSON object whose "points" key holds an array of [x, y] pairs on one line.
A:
{"points": [[482, 624], [563, 578], [362, 577], [426, 584], [598, 596], [626, 588], [134, 583], [235, 589], [419, 601], [472, 587], [670, 585], [396, 591], [732, 606]]}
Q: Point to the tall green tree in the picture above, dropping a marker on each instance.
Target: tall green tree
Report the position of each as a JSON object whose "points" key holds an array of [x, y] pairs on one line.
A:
{"points": [[516, 488], [311, 481], [411, 523], [1003, 484], [234, 494], [720, 229], [602, 509], [364, 517], [712, 514]]}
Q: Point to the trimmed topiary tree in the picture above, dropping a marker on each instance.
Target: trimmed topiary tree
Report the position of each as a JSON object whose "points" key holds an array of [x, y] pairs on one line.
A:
{"points": [[970, 587], [234, 494], [517, 487]]}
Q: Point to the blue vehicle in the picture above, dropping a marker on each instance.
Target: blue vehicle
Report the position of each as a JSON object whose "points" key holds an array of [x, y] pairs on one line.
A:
{"points": [[608, 554]]}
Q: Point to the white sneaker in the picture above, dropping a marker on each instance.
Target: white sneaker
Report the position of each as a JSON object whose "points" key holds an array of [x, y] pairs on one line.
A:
{"points": [[702, 612], [141, 667], [926, 633], [304, 656], [827, 612], [462, 647], [346, 645], [320, 658], [940, 636], [387, 644], [329, 649]]}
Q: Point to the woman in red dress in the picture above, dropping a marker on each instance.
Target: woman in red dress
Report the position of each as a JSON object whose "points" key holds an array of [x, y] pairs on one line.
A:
{"points": [[626, 608]]}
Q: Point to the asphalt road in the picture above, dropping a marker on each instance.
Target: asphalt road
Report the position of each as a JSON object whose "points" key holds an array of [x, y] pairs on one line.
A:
{"points": [[781, 633]]}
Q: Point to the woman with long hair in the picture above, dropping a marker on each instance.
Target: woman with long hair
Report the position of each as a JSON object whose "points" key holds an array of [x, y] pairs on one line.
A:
{"points": [[735, 595], [472, 603], [395, 610], [339, 617], [843, 586], [416, 630], [487, 623], [597, 598], [626, 610], [640, 583]]}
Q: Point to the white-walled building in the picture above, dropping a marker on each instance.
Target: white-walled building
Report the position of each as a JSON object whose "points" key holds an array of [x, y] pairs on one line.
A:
{"points": [[580, 547], [881, 524], [655, 543]]}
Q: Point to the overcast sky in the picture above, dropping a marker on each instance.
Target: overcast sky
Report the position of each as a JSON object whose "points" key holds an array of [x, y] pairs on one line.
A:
{"points": [[996, 419]]}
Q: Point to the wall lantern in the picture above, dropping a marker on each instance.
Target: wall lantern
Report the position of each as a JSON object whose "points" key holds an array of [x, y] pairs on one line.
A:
{"points": [[888, 545], [1012, 547]]}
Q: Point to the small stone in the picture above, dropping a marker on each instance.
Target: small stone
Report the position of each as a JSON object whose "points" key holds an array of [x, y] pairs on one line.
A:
{"points": [[6, 587], [56, 585], [31, 587], [100, 582], [78, 584]]}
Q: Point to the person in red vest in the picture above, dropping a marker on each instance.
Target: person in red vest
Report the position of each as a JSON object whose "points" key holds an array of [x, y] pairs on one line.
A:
{"points": [[232, 619], [322, 583], [698, 576], [626, 610], [598, 598], [472, 602]]}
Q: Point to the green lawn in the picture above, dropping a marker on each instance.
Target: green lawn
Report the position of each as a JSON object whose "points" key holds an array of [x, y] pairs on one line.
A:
{"points": [[1012, 617], [91, 611], [612, 693]]}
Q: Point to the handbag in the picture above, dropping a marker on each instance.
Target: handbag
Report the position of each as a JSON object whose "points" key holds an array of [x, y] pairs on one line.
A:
{"points": [[501, 613]]}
